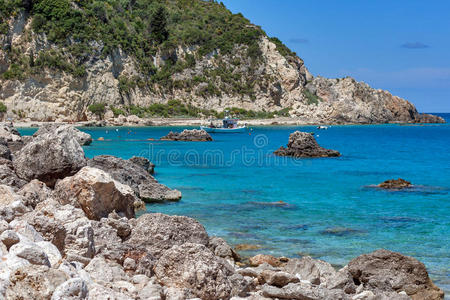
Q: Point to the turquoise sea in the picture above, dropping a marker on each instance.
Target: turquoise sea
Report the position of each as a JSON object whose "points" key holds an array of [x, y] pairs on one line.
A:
{"points": [[329, 210]]}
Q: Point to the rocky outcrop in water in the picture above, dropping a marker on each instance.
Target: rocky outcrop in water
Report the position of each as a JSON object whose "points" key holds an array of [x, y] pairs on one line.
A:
{"points": [[303, 144], [395, 184], [387, 271], [186, 135], [80, 240], [143, 163]]}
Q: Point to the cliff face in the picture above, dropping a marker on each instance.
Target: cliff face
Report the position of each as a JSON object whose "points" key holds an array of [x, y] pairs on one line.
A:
{"points": [[43, 80]]}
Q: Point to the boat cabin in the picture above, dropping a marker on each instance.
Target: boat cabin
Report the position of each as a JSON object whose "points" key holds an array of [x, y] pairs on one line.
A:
{"points": [[230, 123]]}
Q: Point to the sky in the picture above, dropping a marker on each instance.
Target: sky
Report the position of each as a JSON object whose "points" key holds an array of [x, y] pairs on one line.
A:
{"points": [[402, 46]]}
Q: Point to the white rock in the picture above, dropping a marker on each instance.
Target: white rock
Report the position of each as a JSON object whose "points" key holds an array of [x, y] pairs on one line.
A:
{"points": [[9, 238], [101, 270], [3, 226], [72, 289], [26, 230], [99, 292], [366, 295], [129, 264], [97, 193], [31, 252], [54, 256], [151, 292]]}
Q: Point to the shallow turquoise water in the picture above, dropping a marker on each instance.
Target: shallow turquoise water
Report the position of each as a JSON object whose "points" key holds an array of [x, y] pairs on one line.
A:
{"points": [[224, 182]]}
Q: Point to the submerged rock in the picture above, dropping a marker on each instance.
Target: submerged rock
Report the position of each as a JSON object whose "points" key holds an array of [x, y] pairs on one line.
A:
{"points": [[127, 172], [303, 144], [386, 271], [186, 135], [49, 157], [340, 231], [395, 184], [97, 193], [246, 247], [264, 258], [82, 138]]}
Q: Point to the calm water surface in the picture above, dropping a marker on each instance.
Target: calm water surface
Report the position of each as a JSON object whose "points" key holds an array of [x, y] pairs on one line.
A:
{"points": [[329, 210]]}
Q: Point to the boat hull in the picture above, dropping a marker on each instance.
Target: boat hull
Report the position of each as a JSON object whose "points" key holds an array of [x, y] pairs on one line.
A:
{"points": [[223, 130]]}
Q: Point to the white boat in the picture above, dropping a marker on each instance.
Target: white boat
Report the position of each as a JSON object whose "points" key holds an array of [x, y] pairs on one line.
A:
{"points": [[228, 126]]}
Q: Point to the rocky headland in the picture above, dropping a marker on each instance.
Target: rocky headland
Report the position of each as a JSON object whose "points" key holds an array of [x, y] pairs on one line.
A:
{"points": [[68, 230], [186, 135], [303, 144], [48, 74]]}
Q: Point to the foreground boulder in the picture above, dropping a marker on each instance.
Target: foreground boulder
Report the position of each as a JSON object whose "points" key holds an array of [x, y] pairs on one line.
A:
{"points": [[8, 175], [186, 135], [303, 144], [49, 157], [158, 232], [313, 270], [5, 152], [82, 138], [97, 193], [34, 282], [395, 184], [386, 271], [199, 272], [143, 184], [302, 291], [34, 193]]}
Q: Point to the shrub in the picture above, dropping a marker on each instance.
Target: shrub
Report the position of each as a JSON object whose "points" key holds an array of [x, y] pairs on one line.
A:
{"points": [[117, 111], [3, 108], [98, 109], [310, 97], [15, 71], [282, 48]]}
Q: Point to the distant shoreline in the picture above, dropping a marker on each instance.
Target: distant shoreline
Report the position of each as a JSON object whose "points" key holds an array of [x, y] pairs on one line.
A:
{"points": [[176, 122]]}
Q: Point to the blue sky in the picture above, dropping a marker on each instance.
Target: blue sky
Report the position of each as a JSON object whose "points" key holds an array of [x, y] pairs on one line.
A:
{"points": [[399, 45]]}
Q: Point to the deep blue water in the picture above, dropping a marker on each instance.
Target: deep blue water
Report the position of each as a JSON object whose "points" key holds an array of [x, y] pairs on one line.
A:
{"points": [[226, 183]]}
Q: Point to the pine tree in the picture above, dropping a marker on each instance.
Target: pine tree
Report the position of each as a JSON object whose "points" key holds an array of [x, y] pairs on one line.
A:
{"points": [[158, 25]]}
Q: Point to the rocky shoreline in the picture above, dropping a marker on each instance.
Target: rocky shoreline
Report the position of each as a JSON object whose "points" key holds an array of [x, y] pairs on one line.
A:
{"points": [[68, 231], [141, 122]]}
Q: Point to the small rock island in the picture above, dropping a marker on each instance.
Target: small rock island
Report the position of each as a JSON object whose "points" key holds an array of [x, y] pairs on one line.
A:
{"points": [[395, 184], [186, 135], [303, 144]]}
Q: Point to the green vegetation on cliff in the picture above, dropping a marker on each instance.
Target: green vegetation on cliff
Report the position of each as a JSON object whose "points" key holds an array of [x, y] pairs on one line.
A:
{"points": [[176, 108], [3, 108], [142, 29]]}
